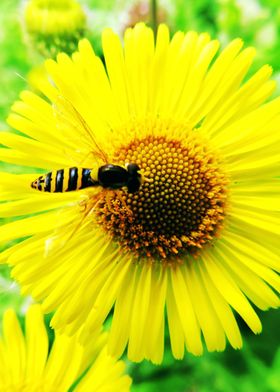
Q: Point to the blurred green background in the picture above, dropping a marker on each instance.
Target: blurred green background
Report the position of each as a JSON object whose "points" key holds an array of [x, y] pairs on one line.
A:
{"points": [[257, 366]]}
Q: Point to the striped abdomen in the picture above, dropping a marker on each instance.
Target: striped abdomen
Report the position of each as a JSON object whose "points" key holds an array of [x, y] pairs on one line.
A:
{"points": [[65, 180]]}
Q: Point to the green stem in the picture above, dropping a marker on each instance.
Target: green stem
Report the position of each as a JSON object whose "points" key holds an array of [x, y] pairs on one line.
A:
{"points": [[153, 13]]}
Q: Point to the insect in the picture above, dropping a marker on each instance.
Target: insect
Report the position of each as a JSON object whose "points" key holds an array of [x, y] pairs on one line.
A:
{"points": [[108, 176], [99, 174]]}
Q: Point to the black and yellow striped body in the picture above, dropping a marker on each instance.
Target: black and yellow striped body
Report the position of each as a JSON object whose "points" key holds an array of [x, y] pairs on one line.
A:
{"points": [[108, 176], [66, 180]]}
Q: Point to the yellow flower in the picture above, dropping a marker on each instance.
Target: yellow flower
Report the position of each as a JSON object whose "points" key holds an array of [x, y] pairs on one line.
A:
{"points": [[199, 239], [36, 77], [27, 365], [54, 25]]}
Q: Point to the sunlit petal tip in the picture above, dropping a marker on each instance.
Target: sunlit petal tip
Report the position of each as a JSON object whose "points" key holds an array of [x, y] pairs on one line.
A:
{"points": [[163, 30], [108, 33], [9, 318], [267, 70], [237, 42], [50, 64], [84, 45], [62, 58]]}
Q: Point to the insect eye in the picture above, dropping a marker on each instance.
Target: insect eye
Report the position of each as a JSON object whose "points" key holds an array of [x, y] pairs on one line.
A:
{"points": [[132, 168]]}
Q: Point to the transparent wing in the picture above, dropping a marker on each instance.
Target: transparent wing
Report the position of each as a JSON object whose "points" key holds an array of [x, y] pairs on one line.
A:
{"points": [[56, 243], [81, 144], [77, 133]]}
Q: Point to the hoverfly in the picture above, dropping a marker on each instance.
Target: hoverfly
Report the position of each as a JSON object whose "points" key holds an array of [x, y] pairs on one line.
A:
{"points": [[108, 176], [101, 174]]}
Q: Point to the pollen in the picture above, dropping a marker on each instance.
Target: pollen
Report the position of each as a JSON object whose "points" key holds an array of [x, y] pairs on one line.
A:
{"points": [[180, 206]]}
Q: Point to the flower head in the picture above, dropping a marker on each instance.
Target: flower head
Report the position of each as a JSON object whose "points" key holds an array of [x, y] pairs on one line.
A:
{"points": [[27, 365], [54, 25], [198, 240]]}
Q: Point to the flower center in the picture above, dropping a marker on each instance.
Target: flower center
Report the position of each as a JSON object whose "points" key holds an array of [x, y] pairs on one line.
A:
{"points": [[179, 207]]}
